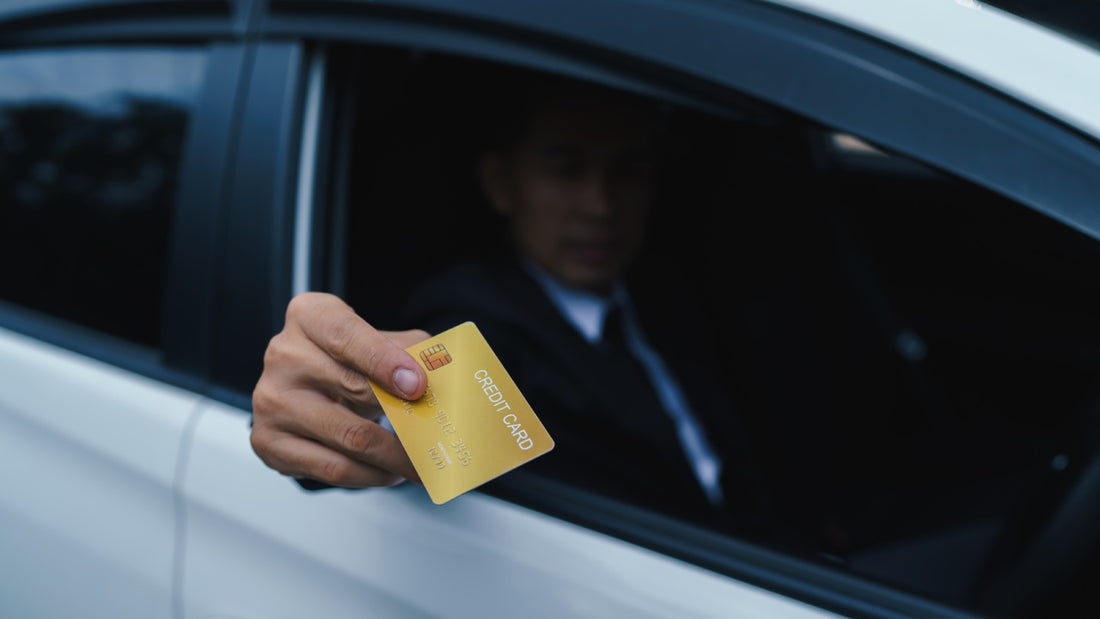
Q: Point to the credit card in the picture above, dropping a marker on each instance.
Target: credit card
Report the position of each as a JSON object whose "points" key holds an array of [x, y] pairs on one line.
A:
{"points": [[472, 424]]}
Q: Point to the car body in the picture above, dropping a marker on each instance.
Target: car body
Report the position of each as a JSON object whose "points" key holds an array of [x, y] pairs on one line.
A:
{"points": [[923, 175]]}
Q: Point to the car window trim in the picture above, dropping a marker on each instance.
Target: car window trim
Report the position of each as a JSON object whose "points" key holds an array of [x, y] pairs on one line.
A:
{"points": [[307, 171], [54, 22], [812, 61], [201, 201], [252, 282]]}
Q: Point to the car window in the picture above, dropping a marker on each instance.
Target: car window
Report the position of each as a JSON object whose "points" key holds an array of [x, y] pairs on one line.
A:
{"points": [[913, 355], [90, 149]]}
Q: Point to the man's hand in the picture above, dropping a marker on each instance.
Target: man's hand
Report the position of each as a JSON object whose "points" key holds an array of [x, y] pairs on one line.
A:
{"points": [[314, 414]]}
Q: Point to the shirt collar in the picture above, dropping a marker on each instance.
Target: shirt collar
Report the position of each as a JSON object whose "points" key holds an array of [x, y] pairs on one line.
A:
{"points": [[584, 310]]}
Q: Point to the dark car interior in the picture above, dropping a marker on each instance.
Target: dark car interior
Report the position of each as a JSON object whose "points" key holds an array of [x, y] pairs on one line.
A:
{"points": [[918, 357]]}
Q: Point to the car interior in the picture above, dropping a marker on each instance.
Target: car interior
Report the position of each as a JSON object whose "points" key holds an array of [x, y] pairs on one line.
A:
{"points": [[917, 356]]}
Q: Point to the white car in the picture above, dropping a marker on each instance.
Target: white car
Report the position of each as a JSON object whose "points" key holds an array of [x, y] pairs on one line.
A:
{"points": [[895, 205]]}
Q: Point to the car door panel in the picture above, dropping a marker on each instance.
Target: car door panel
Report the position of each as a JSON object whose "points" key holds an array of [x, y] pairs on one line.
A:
{"points": [[258, 545], [88, 515]]}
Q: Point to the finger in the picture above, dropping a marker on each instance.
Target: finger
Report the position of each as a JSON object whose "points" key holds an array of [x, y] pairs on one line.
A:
{"points": [[298, 457], [335, 427], [311, 416], [349, 386], [349, 340], [404, 339], [293, 362]]}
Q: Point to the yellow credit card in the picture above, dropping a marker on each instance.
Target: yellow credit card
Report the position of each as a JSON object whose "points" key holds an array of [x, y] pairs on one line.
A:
{"points": [[472, 424]]}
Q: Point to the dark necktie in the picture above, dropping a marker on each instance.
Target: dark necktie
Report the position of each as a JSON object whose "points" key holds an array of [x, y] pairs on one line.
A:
{"points": [[614, 333], [614, 343], [616, 351]]}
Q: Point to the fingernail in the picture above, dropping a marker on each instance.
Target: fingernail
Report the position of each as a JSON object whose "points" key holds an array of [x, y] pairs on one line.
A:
{"points": [[406, 381]]}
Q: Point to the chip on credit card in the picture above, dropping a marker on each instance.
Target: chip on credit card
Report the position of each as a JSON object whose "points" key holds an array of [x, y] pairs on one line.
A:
{"points": [[472, 424]]}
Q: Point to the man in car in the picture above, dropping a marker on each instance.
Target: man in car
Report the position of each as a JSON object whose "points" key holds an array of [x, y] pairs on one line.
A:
{"points": [[573, 176]]}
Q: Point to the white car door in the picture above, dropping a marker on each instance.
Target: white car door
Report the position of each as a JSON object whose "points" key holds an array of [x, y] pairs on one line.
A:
{"points": [[87, 508], [91, 426], [258, 545]]}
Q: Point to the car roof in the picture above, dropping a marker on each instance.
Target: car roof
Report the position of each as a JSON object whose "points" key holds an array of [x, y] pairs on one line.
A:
{"points": [[1045, 68], [1054, 69]]}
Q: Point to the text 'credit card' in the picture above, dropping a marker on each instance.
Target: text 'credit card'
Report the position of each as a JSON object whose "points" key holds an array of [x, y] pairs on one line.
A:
{"points": [[472, 424]]}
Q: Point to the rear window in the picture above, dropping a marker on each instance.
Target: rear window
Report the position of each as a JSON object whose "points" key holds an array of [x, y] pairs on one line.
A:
{"points": [[90, 150]]}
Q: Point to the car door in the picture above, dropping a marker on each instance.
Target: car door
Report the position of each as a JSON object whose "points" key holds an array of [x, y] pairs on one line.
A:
{"points": [[869, 122], [104, 115]]}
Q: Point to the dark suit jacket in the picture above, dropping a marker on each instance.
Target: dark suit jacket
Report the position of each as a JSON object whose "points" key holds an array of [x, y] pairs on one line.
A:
{"points": [[610, 434]]}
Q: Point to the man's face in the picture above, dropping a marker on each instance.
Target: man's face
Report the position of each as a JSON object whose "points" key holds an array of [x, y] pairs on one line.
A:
{"points": [[578, 188]]}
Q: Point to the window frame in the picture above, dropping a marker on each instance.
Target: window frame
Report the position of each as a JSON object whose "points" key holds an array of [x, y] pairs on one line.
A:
{"points": [[254, 265]]}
